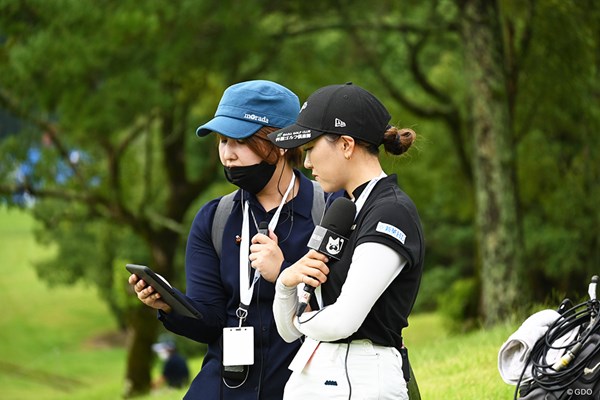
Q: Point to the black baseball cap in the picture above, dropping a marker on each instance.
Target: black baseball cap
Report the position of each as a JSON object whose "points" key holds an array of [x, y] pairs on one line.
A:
{"points": [[344, 109]]}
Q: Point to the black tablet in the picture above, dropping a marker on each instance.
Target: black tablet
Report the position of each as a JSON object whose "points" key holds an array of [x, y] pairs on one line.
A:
{"points": [[179, 303]]}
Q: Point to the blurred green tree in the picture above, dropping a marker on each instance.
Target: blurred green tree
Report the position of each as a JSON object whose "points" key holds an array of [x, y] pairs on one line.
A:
{"points": [[503, 95], [483, 78], [112, 92]]}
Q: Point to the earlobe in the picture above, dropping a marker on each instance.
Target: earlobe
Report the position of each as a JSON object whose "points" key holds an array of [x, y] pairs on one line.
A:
{"points": [[347, 147], [347, 154]]}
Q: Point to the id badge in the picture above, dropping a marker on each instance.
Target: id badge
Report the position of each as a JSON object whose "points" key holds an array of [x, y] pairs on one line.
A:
{"points": [[238, 346]]}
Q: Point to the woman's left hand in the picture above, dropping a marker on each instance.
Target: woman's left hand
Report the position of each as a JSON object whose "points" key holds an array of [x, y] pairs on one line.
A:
{"points": [[266, 256]]}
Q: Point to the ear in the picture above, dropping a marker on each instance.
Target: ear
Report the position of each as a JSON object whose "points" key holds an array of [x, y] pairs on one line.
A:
{"points": [[282, 151], [347, 144]]}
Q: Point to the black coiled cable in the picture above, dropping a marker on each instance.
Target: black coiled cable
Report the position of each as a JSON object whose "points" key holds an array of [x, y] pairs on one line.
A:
{"points": [[586, 317]]}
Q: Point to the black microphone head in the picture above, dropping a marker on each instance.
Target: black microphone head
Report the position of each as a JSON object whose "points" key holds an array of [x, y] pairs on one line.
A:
{"points": [[339, 217], [263, 228]]}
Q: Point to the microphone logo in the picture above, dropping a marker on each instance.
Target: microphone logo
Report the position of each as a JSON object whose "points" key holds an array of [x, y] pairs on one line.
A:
{"points": [[334, 246], [328, 238], [327, 242]]}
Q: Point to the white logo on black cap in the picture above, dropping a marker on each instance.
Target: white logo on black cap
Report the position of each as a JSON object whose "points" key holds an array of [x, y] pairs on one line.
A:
{"points": [[339, 123], [303, 106]]}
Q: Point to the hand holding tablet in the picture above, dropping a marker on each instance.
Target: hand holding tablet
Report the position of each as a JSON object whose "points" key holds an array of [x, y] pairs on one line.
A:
{"points": [[179, 303]]}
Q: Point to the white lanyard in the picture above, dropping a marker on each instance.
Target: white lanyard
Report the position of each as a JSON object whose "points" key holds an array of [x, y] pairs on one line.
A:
{"points": [[360, 202], [247, 288]]}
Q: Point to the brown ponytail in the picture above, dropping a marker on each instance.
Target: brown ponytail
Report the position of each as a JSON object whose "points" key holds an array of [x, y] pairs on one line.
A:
{"points": [[397, 141]]}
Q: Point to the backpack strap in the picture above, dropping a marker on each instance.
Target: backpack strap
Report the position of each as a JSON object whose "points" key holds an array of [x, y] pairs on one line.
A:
{"points": [[221, 214], [226, 204]]}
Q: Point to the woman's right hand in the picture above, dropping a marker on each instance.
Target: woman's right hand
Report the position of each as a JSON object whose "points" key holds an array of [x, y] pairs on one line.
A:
{"points": [[310, 269], [148, 295]]}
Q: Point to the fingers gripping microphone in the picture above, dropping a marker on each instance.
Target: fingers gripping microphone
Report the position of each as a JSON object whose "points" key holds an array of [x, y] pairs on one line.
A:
{"points": [[330, 237]]}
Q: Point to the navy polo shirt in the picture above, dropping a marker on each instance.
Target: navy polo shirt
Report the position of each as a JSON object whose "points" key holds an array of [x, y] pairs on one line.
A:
{"points": [[213, 286], [388, 217]]}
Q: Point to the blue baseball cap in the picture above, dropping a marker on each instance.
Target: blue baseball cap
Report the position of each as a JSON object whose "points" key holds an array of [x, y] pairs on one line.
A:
{"points": [[248, 106]]}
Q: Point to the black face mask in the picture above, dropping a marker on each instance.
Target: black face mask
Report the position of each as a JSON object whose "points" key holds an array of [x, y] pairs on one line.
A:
{"points": [[252, 178]]}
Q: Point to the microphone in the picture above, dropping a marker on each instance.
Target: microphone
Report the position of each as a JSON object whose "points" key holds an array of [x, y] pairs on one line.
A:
{"points": [[330, 237], [263, 228]]}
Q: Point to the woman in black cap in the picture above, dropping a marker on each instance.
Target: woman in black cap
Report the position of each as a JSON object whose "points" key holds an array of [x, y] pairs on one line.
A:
{"points": [[353, 346], [246, 358]]}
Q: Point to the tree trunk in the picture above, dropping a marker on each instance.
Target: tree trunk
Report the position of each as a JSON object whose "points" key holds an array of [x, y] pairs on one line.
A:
{"points": [[144, 324], [165, 240], [144, 328], [498, 235]]}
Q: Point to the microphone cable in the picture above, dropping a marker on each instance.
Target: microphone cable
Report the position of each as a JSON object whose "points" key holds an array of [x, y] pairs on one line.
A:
{"points": [[570, 367], [348, 342], [317, 312], [346, 369]]}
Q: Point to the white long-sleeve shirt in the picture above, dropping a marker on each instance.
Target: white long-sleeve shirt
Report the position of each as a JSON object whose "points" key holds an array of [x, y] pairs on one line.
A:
{"points": [[374, 266]]}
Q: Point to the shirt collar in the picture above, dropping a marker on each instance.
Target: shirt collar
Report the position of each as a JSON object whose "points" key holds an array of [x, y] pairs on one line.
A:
{"points": [[304, 199], [358, 191]]}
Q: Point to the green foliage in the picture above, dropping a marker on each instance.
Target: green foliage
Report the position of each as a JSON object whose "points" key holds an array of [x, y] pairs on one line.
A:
{"points": [[434, 285], [112, 93], [559, 167], [124, 81], [459, 305]]}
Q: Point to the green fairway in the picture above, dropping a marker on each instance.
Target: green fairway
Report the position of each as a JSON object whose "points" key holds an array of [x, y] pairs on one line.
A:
{"points": [[61, 343], [456, 367], [55, 343]]}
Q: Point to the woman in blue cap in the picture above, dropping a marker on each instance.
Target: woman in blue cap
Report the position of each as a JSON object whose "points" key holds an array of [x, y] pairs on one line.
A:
{"points": [[231, 267], [353, 347]]}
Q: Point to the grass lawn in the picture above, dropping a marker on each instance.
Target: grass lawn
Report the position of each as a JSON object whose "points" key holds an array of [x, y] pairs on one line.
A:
{"points": [[456, 366], [50, 347]]}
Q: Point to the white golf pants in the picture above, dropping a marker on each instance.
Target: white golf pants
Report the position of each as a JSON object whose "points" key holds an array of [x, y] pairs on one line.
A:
{"points": [[374, 372]]}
